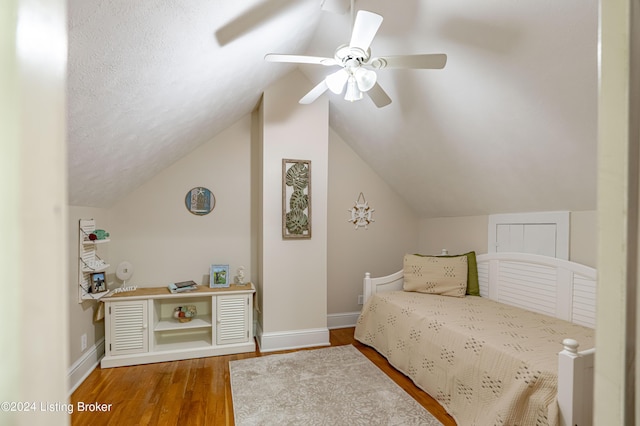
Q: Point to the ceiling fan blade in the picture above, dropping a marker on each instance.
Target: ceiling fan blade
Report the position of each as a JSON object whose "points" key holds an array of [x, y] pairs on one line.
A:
{"points": [[249, 20], [335, 6], [314, 93], [379, 96], [300, 59], [365, 28], [426, 61]]}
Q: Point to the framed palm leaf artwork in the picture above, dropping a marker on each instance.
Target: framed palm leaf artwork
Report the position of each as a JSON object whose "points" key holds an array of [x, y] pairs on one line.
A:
{"points": [[296, 199]]}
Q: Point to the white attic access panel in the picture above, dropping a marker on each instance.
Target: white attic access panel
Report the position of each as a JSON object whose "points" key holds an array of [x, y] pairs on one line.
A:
{"points": [[544, 233]]}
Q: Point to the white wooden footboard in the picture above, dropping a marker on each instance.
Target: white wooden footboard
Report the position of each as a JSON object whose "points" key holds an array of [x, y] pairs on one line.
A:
{"points": [[575, 384], [559, 288]]}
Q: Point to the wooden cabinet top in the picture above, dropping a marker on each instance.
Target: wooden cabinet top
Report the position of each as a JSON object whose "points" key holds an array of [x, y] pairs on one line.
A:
{"points": [[163, 292]]}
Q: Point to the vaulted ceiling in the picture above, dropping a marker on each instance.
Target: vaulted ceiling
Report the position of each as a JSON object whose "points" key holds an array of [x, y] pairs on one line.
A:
{"points": [[508, 125]]}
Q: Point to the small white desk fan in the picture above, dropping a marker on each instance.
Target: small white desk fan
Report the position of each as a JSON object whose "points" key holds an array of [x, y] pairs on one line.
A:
{"points": [[124, 272]]}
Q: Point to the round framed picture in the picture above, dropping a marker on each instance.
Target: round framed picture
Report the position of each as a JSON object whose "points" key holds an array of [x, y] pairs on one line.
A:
{"points": [[200, 201]]}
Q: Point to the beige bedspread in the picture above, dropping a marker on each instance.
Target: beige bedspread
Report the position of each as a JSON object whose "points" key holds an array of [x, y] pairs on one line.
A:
{"points": [[487, 363]]}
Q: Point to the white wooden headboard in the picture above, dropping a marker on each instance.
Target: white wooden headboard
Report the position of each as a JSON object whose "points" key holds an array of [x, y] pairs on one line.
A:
{"points": [[555, 287], [548, 285]]}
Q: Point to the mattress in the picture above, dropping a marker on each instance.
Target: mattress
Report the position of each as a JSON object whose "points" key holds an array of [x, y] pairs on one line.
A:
{"points": [[487, 363]]}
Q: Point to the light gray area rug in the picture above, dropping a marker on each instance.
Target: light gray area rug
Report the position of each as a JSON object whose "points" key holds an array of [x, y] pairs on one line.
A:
{"points": [[329, 386]]}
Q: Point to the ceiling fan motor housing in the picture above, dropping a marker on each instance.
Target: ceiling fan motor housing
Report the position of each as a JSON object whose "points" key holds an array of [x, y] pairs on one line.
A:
{"points": [[346, 53]]}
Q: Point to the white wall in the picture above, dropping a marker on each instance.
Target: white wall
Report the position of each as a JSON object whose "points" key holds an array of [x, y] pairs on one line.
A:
{"points": [[456, 234], [152, 229], [351, 252], [294, 272], [33, 250], [463, 234], [583, 238]]}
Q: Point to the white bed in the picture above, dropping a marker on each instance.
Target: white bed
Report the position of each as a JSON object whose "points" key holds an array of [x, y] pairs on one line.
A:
{"points": [[549, 286]]}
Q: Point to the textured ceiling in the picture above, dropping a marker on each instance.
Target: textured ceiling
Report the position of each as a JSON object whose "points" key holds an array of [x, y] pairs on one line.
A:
{"points": [[508, 125]]}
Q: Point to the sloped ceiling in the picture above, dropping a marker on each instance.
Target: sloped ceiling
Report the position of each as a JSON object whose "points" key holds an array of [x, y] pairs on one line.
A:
{"points": [[509, 124]]}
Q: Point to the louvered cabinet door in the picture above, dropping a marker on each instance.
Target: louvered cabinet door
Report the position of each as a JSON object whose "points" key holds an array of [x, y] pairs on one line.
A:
{"points": [[233, 317], [128, 327]]}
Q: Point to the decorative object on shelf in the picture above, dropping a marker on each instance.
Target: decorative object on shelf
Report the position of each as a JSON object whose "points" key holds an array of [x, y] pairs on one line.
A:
{"points": [[124, 272], [94, 235], [219, 276], [240, 276], [99, 234], [125, 289], [98, 283], [361, 213], [182, 286], [185, 313], [200, 201], [296, 199], [94, 265]]}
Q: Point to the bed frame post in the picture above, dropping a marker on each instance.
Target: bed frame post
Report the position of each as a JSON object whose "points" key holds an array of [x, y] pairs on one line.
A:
{"points": [[575, 385], [367, 286]]}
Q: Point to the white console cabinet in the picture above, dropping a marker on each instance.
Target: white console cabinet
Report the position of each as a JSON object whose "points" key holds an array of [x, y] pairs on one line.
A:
{"points": [[140, 328]]}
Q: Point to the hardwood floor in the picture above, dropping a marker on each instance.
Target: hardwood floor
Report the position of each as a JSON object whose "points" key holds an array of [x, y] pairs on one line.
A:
{"points": [[193, 392]]}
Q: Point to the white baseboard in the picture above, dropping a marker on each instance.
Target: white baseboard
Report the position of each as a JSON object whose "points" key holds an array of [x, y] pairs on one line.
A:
{"points": [[343, 320], [81, 369], [294, 339]]}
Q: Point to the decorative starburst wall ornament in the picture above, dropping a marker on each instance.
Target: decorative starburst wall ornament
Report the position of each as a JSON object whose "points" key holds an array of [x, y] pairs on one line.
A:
{"points": [[361, 213]]}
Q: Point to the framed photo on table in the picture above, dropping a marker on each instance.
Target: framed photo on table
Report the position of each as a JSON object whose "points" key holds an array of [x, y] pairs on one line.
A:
{"points": [[219, 276]]}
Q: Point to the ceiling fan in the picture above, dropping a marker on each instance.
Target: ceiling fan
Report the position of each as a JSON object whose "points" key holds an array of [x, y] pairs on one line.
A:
{"points": [[357, 72]]}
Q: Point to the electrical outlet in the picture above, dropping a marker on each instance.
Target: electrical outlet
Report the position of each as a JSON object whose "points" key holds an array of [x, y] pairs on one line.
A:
{"points": [[83, 342], [360, 299]]}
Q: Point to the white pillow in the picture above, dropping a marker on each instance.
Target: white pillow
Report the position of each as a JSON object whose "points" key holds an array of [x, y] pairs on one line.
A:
{"points": [[436, 275]]}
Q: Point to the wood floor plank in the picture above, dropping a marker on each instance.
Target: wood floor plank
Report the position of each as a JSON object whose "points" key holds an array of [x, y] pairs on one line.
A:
{"points": [[197, 391]]}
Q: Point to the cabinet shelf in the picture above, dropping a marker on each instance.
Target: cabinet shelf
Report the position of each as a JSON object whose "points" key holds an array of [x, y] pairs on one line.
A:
{"points": [[174, 324]]}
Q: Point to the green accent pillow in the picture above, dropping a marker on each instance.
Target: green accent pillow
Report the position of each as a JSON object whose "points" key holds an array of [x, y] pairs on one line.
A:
{"points": [[473, 287]]}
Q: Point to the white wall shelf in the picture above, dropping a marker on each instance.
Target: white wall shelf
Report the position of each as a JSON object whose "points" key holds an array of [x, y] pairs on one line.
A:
{"points": [[94, 242], [88, 260]]}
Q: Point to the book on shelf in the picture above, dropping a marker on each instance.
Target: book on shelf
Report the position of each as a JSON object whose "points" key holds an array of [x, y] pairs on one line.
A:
{"points": [[182, 286]]}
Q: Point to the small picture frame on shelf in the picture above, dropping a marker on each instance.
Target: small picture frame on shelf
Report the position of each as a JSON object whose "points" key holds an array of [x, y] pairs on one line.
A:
{"points": [[219, 276], [97, 283]]}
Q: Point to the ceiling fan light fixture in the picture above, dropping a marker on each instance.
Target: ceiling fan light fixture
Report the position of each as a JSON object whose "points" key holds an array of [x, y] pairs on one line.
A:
{"points": [[353, 92], [336, 81], [365, 78]]}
